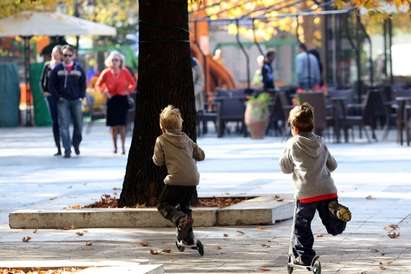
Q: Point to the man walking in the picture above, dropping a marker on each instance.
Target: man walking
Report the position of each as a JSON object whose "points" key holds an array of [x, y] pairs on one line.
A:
{"points": [[68, 84], [308, 69], [267, 72]]}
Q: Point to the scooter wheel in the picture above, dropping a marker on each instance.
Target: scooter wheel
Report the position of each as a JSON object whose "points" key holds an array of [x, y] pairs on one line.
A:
{"points": [[317, 267], [290, 269], [180, 247], [200, 248]]}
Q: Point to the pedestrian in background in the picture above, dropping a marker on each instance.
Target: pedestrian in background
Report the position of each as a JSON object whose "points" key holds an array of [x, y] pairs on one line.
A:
{"points": [[267, 71], [56, 56], [308, 69], [68, 84], [116, 83]]}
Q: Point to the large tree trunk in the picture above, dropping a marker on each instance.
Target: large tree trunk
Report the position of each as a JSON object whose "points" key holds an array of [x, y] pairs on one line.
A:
{"points": [[164, 77]]}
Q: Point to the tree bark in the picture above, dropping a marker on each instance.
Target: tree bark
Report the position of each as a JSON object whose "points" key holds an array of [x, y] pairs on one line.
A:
{"points": [[164, 77]]}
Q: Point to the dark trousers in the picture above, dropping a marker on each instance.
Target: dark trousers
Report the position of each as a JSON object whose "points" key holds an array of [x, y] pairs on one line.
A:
{"points": [[52, 102], [303, 236], [175, 202]]}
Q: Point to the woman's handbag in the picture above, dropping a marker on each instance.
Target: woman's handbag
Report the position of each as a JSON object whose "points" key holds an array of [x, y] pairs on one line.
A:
{"points": [[130, 102]]}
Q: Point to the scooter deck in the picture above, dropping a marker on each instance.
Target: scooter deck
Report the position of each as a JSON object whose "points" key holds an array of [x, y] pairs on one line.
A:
{"points": [[197, 246], [308, 267]]}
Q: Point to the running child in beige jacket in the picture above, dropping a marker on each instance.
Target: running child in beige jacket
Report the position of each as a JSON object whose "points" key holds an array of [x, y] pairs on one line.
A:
{"points": [[179, 154]]}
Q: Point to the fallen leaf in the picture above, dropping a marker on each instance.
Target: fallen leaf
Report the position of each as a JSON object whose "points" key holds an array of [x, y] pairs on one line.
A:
{"points": [[68, 227], [219, 247], [369, 197], [319, 235], [264, 269], [89, 243], [225, 235], [364, 272], [240, 232], [154, 252], [69, 187], [74, 206], [116, 188], [35, 231], [26, 239], [381, 265], [393, 234], [79, 233], [391, 226], [261, 228], [52, 198], [393, 231], [166, 250], [264, 245], [143, 243]]}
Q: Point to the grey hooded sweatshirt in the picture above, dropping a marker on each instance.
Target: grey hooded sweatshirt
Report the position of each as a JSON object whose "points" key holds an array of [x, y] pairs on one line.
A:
{"points": [[310, 162], [179, 153]]}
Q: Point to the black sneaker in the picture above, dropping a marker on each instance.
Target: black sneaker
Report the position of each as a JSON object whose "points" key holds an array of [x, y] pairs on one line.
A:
{"points": [[77, 150], [67, 155], [185, 230], [299, 261], [339, 211]]}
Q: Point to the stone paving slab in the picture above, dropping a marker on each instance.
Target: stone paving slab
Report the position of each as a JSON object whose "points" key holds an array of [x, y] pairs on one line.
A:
{"points": [[80, 263], [247, 249], [90, 267], [139, 269], [261, 210], [101, 218]]}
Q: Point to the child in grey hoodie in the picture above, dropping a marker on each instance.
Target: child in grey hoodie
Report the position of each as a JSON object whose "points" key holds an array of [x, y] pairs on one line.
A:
{"points": [[179, 154], [308, 159]]}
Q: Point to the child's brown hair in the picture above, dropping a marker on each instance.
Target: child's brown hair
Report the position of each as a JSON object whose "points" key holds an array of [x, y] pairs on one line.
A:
{"points": [[302, 117], [170, 118]]}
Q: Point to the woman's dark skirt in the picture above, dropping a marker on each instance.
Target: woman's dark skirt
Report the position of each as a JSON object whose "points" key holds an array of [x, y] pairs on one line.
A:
{"points": [[117, 110]]}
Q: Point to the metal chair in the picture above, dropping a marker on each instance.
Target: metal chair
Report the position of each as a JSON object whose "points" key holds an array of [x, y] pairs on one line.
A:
{"points": [[230, 110]]}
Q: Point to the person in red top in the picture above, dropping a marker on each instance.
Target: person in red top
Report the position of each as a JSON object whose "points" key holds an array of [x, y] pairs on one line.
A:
{"points": [[116, 83]]}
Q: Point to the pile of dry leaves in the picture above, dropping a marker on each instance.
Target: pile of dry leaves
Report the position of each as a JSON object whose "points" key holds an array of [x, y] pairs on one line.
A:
{"points": [[109, 201]]}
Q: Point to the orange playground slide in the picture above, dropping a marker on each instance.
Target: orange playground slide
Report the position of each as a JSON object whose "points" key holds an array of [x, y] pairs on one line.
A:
{"points": [[216, 73]]}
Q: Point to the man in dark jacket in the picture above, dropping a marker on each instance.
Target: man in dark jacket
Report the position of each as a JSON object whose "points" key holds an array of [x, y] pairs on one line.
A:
{"points": [[68, 84], [267, 72]]}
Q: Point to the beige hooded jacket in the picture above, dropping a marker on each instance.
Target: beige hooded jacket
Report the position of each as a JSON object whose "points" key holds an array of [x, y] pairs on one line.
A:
{"points": [[308, 159], [179, 153]]}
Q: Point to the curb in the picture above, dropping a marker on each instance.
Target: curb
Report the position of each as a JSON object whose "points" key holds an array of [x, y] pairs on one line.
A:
{"points": [[263, 210], [90, 267]]}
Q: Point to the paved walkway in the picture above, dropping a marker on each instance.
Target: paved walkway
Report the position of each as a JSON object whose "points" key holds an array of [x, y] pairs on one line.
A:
{"points": [[31, 178]]}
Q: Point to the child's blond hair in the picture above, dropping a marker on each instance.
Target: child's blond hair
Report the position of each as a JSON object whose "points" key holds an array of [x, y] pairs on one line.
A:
{"points": [[170, 118], [302, 117]]}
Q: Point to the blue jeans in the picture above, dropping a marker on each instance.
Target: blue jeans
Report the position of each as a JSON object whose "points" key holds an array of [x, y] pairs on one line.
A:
{"points": [[70, 111], [304, 239], [52, 101]]}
